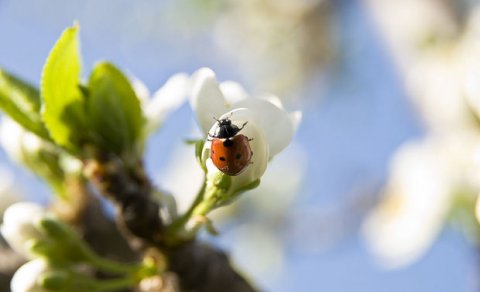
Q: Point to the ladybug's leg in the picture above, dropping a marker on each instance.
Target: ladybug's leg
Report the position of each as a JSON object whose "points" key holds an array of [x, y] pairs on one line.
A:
{"points": [[210, 137], [243, 126]]}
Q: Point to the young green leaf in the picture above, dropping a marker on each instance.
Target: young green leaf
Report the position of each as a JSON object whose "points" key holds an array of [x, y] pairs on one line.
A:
{"points": [[199, 152], [115, 116], [21, 102], [64, 104]]}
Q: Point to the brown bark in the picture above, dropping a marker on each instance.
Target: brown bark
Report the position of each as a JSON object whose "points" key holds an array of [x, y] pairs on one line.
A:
{"points": [[197, 266]]}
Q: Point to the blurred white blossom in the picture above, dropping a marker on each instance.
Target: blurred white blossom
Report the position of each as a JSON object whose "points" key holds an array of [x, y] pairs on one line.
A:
{"points": [[26, 278], [278, 43], [429, 176], [164, 101], [9, 194], [18, 226], [18, 142], [423, 181], [411, 27]]}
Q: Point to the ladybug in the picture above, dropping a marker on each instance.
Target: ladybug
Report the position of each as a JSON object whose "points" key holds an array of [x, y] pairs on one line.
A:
{"points": [[230, 152]]}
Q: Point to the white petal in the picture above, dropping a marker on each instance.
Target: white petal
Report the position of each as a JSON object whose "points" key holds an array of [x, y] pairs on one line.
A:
{"points": [[206, 98], [275, 123], [32, 144], [11, 137], [18, 226], [167, 99], [418, 197], [258, 145], [233, 92], [140, 89], [273, 99], [8, 192], [296, 118], [26, 277]]}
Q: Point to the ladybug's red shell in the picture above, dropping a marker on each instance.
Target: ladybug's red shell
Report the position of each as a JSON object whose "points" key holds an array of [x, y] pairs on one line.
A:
{"points": [[231, 156]]}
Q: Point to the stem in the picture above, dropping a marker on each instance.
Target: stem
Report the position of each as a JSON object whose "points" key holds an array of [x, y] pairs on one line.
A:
{"points": [[112, 266], [206, 205]]}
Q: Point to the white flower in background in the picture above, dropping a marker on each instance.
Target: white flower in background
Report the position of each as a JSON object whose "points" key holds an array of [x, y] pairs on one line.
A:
{"points": [[26, 278], [267, 123], [18, 142], [249, 31], [8, 192], [409, 26], [438, 56], [469, 60], [423, 181], [164, 101], [18, 226], [436, 85]]}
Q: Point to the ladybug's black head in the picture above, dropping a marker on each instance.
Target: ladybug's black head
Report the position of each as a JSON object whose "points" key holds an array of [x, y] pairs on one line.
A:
{"points": [[224, 122], [226, 129]]}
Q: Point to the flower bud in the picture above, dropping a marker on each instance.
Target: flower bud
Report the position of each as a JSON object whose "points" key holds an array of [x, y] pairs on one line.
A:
{"points": [[26, 278], [263, 121], [258, 144], [18, 226]]}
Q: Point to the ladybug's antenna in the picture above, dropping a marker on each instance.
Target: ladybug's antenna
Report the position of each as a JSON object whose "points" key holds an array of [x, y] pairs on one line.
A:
{"points": [[218, 121]]}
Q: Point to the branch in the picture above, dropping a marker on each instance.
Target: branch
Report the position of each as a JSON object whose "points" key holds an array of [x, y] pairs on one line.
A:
{"points": [[83, 211], [203, 268], [197, 266]]}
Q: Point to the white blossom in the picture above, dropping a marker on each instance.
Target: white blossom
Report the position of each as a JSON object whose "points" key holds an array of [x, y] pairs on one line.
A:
{"points": [[8, 192], [164, 101], [18, 226], [267, 123], [18, 142], [424, 178], [26, 277]]}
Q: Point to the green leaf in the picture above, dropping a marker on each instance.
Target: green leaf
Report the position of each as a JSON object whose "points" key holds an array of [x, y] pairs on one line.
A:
{"points": [[115, 116], [21, 102], [199, 143], [64, 103]]}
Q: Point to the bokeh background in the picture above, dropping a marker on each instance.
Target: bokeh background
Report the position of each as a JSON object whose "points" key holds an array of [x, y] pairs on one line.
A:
{"points": [[345, 64]]}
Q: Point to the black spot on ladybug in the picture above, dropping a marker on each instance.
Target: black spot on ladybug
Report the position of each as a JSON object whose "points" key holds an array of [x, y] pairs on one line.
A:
{"points": [[238, 156], [228, 143], [222, 158]]}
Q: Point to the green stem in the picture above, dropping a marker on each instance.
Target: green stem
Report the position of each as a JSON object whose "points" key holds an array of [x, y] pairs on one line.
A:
{"points": [[112, 266], [207, 205]]}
